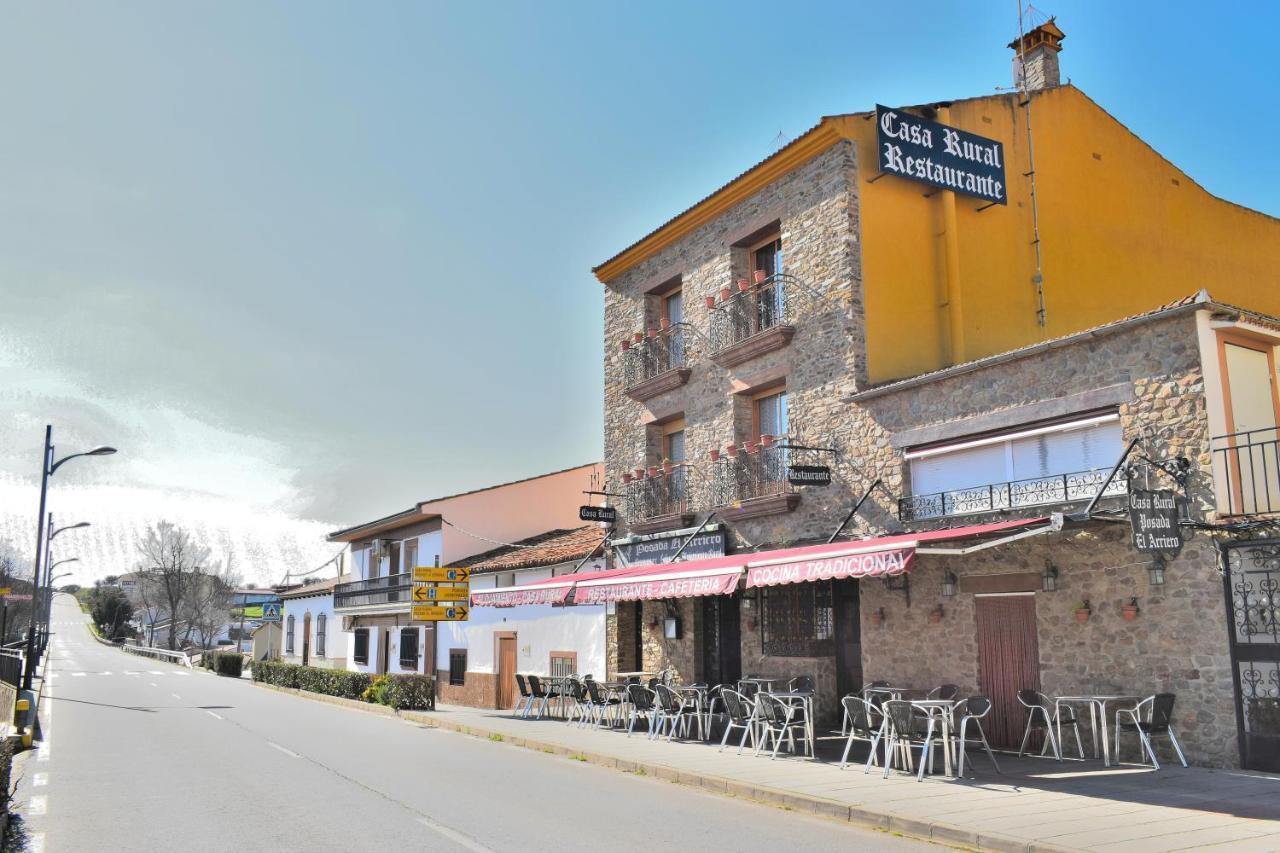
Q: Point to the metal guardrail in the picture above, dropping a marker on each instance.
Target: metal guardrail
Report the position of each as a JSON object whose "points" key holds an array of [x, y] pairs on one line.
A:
{"points": [[749, 312], [665, 349], [388, 589], [160, 654], [659, 494], [747, 475], [12, 664]]}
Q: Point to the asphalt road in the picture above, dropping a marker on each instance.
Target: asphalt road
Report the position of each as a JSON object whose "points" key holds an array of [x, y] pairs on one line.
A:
{"points": [[143, 755]]}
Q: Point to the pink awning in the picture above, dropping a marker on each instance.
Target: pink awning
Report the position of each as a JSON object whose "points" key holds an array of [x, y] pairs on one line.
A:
{"points": [[665, 580], [514, 596], [883, 556]]}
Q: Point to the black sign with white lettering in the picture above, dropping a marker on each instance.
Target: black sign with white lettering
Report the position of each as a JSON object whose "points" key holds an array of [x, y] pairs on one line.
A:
{"points": [[709, 543], [945, 157], [607, 514], [1154, 518], [809, 475]]}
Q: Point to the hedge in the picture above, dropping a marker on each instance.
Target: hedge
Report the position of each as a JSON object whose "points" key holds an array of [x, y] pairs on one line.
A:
{"points": [[408, 692], [228, 663]]}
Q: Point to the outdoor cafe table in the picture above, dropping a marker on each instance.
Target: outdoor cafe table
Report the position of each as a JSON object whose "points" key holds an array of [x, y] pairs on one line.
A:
{"points": [[765, 684], [697, 692], [942, 710], [624, 676], [1097, 704]]}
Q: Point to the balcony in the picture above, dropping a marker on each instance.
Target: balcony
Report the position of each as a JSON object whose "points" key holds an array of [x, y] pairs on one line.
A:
{"points": [[659, 500], [658, 363], [752, 482], [1246, 469], [392, 590], [1058, 489], [752, 322]]}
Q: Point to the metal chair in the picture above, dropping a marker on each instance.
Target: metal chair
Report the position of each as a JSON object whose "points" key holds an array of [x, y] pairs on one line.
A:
{"points": [[974, 710], [577, 693], [741, 712], [669, 713], [902, 733], [866, 723], [526, 698], [944, 691], [777, 719], [541, 694], [802, 684], [1150, 718], [844, 719], [641, 701], [600, 702], [1041, 714]]}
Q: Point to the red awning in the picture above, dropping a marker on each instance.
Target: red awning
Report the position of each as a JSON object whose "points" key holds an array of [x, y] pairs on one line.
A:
{"points": [[514, 596], [861, 558], [714, 576]]}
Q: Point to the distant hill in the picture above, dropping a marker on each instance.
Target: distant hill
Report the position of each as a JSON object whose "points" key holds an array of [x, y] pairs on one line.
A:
{"points": [[265, 543]]}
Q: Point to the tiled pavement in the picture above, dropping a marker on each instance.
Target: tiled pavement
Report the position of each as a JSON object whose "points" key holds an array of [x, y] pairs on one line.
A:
{"points": [[1037, 804]]}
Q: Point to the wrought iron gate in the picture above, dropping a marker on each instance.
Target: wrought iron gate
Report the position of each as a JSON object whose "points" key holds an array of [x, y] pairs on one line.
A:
{"points": [[1253, 598]]}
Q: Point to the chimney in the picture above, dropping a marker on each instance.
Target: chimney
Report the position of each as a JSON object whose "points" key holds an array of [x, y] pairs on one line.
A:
{"points": [[1036, 57]]}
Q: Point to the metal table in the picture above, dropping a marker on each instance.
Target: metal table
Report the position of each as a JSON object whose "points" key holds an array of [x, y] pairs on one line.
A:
{"points": [[804, 700], [942, 710], [699, 694], [1097, 708]]}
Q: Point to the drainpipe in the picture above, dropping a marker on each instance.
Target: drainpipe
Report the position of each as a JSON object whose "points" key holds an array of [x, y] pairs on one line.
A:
{"points": [[951, 257]]}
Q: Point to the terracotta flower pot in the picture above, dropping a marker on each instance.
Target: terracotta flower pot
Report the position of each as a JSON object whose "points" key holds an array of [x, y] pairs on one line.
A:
{"points": [[653, 470], [1129, 611], [626, 345], [668, 467], [766, 440], [744, 285], [639, 473], [935, 615], [653, 333], [711, 301], [749, 445], [664, 324], [725, 293], [714, 454], [761, 275], [877, 618], [732, 450], [638, 337], [1082, 615], [626, 476]]}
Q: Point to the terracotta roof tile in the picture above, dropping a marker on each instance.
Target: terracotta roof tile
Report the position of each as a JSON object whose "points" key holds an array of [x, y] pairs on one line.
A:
{"points": [[545, 549]]}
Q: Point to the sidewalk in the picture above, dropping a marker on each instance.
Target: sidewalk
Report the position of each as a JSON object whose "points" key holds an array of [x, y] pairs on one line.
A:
{"points": [[1036, 805]]}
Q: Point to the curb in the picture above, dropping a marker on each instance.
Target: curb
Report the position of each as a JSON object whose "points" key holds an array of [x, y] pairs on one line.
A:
{"points": [[925, 830]]}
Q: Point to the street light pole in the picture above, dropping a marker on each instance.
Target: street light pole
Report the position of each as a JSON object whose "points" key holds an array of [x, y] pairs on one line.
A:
{"points": [[47, 607], [47, 469]]}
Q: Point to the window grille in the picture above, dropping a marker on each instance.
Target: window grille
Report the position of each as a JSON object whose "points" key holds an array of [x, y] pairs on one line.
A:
{"points": [[564, 663], [798, 620], [409, 648], [457, 667], [362, 645]]}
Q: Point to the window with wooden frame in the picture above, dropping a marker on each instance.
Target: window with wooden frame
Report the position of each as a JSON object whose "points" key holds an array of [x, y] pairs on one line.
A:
{"points": [[766, 255], [797, 620], [1248, 455], [563, 664], [410, 552], [408, 648], [769, 412], [361, 651], [457, 667], [673, 440]]}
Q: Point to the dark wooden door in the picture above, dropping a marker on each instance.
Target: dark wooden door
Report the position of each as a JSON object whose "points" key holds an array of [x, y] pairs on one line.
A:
{"points": [[722, 639], [384, 659], [848, 626], [1008, 661], [506, 672], [306, 639]]}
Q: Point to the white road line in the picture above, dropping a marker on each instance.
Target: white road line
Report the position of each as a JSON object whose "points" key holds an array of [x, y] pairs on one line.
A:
{"points": [[130, 672], [40, 779], [108, 672], [215, 716], [182, 673], [152, 683], [454, 836], [155, 672], [288, 752], [78, 675], [176, 696], [38, 805]]}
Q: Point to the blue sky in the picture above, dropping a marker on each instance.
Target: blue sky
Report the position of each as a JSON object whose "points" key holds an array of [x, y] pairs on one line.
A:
{"points": [[335, 257]]}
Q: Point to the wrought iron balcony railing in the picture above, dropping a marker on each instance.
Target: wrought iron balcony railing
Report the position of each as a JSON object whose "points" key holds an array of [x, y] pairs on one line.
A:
{"points": [[389, 589], [659, 495], [761, 307], [1247, 471], [745, 476], [1060, 488], [666, 350]]}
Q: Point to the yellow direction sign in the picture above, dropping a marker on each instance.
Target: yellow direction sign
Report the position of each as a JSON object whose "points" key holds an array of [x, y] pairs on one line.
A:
{"points": [[5, 590], [436, 574], [428, 613], [441, 593]]}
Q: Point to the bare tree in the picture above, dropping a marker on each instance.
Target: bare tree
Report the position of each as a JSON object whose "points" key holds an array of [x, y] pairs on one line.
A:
{"points": [[174, 562], [210, 603]]}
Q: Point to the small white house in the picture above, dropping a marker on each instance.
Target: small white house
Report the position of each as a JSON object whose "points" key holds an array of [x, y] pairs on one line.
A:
{"points": [[477, 660], [311, 634]]}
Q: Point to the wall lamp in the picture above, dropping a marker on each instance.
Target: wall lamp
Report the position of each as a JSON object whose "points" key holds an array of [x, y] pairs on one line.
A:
{"points": [[1049, 580], [1155, 572], [949, 581]]}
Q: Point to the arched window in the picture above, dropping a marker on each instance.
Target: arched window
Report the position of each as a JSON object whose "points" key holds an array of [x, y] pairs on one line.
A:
{"points": [[321, 624], [288, 636]]}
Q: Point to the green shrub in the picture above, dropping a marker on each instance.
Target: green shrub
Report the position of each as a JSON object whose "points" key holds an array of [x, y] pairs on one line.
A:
{"points": [[411, 692], [277, 673], [376, 692], [228, 663], [313, 679]]}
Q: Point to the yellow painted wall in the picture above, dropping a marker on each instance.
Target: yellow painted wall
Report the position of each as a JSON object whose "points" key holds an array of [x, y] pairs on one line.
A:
{"points": [[1123, 231]]}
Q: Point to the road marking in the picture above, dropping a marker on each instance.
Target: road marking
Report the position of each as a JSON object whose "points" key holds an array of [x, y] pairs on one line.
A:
{"points": [[155, 672], [215, 716], [78, 675], [40, 779], [176, 696], [38, 805], [182, 673], [288, 752], [130, 672], [454, 836], [152, 683]]}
